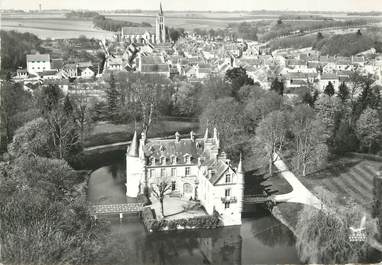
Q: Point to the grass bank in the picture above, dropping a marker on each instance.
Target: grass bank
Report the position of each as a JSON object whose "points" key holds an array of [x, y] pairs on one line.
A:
{"points": [[108, 133]]}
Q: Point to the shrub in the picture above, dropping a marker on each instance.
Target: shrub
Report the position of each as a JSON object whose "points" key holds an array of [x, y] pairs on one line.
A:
{"points": [[148, 218], [173, 225], [154, 225]]}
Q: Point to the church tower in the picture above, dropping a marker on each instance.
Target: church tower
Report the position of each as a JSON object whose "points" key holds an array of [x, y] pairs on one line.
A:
{"points": [[160, 29], [134, 169]]}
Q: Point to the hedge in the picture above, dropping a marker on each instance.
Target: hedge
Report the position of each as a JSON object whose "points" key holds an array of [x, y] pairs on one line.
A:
{"points": [[153, 225]]}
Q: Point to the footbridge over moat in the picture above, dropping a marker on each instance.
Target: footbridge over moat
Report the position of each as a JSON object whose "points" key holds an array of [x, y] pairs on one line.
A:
{"points": [[112, 209]]}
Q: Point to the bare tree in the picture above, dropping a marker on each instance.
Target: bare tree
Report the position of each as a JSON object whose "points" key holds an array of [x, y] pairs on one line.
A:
{"points": [[159, 188], [148, 93], [310, 139], [271, 134], [82, 113]]}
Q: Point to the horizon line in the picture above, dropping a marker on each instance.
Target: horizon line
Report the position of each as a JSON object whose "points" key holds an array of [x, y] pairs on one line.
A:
{"points": [[184, 10]]}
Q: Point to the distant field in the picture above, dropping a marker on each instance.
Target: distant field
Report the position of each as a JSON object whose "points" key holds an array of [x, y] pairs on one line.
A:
{"points": [[55, 27], [351, 181]]}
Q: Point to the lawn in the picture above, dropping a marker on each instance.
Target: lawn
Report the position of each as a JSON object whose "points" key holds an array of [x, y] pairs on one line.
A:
{"points": [[107, 133], [351, 179]]}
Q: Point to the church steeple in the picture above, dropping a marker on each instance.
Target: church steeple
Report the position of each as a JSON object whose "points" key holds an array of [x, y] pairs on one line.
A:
{"points": [[133, 148], [160, 9], [160, 29]]}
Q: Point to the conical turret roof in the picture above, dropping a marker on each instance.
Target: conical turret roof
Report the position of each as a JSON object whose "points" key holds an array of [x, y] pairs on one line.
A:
{"points": [[240, 166], [133, 148]]}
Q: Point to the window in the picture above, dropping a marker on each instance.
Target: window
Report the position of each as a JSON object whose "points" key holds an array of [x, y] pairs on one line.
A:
{"points": [[162, 172], [173, 172], [153, 161], [227, 192], [226, 205], [173, 160], [228, 178], [187, 171], [163, 160], [151, 173], [173, 185]]}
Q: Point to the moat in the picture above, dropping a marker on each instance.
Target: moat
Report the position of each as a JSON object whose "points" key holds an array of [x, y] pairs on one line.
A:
{"points": [[260, 239]]}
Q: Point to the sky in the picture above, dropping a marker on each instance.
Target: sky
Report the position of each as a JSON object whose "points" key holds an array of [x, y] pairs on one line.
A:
{"points": [[213, 5]]}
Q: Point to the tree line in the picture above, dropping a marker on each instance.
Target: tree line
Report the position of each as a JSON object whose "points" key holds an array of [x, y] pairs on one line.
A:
{"points": [[109, 24]]}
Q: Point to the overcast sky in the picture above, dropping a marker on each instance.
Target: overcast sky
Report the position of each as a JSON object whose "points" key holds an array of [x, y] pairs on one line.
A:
{"points": [[229, 5]]}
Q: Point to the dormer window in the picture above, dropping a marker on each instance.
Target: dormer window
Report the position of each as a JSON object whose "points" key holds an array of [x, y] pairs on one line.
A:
{"points": [[228, 178], [187, 159], [153, 161], [173, 160], [163, 160]]}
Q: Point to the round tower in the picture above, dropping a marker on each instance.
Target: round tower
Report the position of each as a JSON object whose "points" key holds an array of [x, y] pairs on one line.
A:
{"points": [[134, 169]]}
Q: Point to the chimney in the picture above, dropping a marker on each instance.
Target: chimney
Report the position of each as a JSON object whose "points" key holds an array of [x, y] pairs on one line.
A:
{"points": [[215, 134], [223, 156], [206, 135], [192, 136], [177, 137], [199, 161]]}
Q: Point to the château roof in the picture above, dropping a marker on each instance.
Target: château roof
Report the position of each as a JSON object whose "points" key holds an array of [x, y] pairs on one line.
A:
{"points": [[168, 148]]}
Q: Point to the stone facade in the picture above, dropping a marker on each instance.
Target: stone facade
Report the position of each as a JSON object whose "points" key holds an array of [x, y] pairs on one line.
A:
{"points": [[194, 168]]}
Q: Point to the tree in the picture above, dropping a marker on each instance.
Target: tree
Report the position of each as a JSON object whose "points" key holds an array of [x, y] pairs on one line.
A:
{"points": [[310, 149], [369, 128], [277, 86], [271, 133], [32, 138], [259, 103], [113, 97], [18, 107], [329, 89], [82, 113], [175, 34], [41, 223], [237, 77], [322, 236], [152, 93], [185, 99], [345, 139], [160, 188], [213, 89], [343, 92], [328, 109], [226, 115], [62, 125]]}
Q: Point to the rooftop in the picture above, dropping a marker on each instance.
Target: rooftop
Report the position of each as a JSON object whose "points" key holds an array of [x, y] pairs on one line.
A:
{"points": [[38, 57]]}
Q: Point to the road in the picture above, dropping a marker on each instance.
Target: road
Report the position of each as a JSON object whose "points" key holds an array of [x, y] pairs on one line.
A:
{"points": [[300, 193]]}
